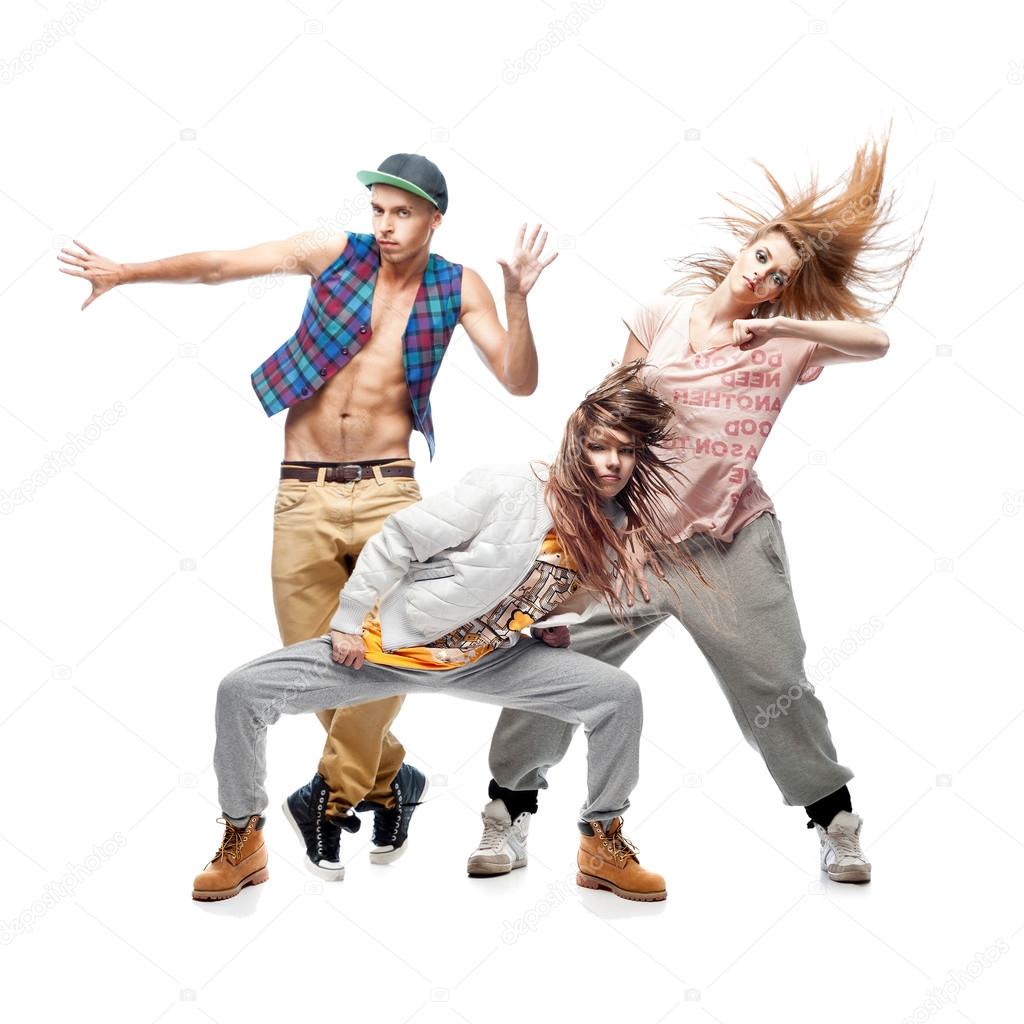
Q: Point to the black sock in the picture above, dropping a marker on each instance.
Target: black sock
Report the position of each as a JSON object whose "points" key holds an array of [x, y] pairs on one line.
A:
{"points": [[822, 811], [515, 801]]}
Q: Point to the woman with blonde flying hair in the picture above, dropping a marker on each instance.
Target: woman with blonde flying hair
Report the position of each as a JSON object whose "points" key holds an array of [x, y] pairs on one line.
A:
{"points": [[730, 341], [458, 575]]}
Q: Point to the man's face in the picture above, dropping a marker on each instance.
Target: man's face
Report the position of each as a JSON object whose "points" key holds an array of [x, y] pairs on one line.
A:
{"points": [[402, 222]]}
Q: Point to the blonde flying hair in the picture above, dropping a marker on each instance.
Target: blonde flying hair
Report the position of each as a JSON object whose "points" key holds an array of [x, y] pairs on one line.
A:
{"points": [[832, 230]]}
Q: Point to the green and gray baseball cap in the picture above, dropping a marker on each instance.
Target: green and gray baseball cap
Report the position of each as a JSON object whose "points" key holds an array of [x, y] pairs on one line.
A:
{"points": [[413, 173]]}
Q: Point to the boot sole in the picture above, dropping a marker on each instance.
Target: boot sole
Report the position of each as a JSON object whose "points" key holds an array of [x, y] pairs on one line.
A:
{"points": [[327, 874], [592, 882], [207, 896], [385, 855]]}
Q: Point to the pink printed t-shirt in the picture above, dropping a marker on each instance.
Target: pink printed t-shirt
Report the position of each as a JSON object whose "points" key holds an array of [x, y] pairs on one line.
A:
{"points": [[726, 401]]}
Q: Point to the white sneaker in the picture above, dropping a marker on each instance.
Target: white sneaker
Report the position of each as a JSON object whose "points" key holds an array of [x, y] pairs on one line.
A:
{"points": [[841, 855], [503, 845]]}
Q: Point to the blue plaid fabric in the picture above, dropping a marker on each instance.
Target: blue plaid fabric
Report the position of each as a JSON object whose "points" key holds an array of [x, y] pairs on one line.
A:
{"points": [[335, 326]]}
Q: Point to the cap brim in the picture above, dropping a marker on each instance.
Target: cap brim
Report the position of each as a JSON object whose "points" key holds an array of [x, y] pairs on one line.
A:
{"points": [[380, 178]]}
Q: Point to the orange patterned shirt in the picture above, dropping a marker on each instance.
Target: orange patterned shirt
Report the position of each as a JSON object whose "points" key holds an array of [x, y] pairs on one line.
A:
{"points": [[551, 580]]}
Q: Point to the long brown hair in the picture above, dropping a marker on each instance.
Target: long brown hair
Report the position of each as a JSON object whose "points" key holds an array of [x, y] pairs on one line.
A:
{"points": [[621, 402], [832, 235]]}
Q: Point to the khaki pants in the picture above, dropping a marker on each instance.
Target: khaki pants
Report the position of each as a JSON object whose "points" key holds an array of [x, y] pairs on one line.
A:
{"points": [[319, 530]]}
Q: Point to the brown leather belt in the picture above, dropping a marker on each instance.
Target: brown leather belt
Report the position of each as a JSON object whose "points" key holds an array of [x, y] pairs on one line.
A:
{"points": [[344, 472]]}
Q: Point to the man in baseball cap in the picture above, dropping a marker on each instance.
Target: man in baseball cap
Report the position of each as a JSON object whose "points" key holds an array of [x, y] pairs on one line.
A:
{"points": [[356, 378]]}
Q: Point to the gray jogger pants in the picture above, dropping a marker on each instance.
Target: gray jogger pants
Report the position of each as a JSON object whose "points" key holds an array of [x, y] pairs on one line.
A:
{"points": [[750, 634], [557, 684]]}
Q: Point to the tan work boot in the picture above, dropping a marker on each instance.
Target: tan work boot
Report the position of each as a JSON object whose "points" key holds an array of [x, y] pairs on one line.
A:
{"points": [[607, 860], [240, 860]]}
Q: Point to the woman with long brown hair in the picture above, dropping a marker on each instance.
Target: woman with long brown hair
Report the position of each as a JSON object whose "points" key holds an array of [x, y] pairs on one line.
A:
{"points": [[458, 575], [729, 343]]}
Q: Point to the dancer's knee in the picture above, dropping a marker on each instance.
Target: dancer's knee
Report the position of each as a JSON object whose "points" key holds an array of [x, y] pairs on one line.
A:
{"points": [[234, 691], [623, 687], [620, 695]]}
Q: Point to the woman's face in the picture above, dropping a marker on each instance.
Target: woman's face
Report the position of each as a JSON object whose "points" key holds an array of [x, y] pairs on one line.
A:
{"points": [[612, 456], [763, 269]]}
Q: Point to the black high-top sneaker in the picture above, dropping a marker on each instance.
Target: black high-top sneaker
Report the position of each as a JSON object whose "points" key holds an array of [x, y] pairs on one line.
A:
{"points": [[321, 834], [391, 824]]}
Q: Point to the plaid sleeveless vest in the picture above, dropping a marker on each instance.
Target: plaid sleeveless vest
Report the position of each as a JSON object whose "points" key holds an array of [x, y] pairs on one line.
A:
{"points": [[336, 325]]}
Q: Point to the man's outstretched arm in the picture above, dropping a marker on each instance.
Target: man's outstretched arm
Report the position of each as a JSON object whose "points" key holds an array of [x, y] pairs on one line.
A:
{"points": [[509, 354], [306, 253]]}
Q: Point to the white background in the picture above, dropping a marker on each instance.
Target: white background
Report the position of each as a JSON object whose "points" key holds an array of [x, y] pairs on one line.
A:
{"points": [[137, 575]]}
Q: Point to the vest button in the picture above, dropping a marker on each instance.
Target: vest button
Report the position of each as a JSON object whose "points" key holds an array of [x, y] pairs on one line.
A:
{"points": [[362, 328], [323, 373], [344, 351], [305, 391]]}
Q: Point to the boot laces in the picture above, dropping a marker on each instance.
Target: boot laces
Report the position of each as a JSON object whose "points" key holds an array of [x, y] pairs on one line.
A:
{"points": [[620, 847], [232, 842]]}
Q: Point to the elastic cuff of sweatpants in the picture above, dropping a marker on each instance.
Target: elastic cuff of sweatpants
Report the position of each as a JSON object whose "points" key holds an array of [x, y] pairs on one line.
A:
{"points": [[605, 816]]}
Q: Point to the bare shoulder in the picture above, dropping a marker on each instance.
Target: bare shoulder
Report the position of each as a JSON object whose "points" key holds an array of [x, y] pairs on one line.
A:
{"points": [[317, 250], [475, 293]]}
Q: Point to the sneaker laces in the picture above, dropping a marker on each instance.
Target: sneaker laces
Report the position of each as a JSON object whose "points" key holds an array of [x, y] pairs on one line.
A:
{"points": [[386, 821], [495, 833], [328, 835], [846, 843]]}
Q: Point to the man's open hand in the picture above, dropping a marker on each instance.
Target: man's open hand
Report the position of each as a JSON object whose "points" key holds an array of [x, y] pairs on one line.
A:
{"points": [[101, 273], [523, 267]]}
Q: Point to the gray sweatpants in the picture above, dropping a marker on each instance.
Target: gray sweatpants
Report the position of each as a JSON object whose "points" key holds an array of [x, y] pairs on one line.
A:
{"points": [[558, 684], [750, 634]]}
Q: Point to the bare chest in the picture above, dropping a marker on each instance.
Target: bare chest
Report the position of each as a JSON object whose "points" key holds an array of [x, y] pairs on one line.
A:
{"points": [[378, 366]]}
